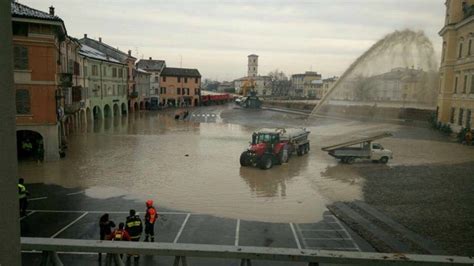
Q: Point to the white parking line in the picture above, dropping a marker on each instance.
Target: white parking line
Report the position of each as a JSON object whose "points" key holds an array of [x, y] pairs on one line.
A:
{"points": [[237, 230], [69, 225], [38, 198], [181, 229], [28, 214], [75, 193], [296, 237]]}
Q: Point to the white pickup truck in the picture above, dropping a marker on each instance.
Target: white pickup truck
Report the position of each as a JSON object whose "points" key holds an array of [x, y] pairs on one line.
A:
{"points": [[362, 148]]}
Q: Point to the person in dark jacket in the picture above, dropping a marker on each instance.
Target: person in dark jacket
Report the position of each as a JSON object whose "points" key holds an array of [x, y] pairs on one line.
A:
{"points": [[23, 195], [105, 226]]}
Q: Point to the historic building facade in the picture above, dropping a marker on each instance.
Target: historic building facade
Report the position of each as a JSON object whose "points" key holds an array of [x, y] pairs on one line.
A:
{"points": [[105, 81], [456, 93], [37, 37], [180, 87], [124, 58], [154, 67]]}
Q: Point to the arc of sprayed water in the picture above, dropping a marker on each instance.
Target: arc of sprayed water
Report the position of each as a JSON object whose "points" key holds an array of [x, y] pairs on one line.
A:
{"points": [[406, 37]]}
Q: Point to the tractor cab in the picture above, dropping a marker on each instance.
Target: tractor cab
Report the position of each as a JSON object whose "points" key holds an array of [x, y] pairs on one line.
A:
{"points": [[265, 137]]}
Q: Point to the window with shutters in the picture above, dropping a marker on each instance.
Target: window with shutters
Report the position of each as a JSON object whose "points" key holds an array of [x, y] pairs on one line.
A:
{"points": [[70, 66], [95, 70], [468, 118], [460, 116], [20, 57], [451, 118], [23, 102], [465, 84]]}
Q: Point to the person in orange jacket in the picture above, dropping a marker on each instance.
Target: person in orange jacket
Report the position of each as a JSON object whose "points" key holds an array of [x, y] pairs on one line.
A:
{"points": [[150, 218], [120, 234]]}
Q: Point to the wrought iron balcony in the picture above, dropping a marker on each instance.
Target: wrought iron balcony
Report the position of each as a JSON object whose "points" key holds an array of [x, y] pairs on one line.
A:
{"points": [[65, 79]]}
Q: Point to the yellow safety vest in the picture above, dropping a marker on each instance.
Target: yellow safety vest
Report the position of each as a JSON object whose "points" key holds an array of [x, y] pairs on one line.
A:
{"points": [[22, 191]]}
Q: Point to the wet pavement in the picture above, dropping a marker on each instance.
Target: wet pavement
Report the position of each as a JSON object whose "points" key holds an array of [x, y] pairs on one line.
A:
{"points": [[191, 167], [70, 214]]}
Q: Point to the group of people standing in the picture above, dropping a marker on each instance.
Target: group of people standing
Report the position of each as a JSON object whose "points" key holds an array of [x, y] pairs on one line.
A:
{"points": [[132, 229]]}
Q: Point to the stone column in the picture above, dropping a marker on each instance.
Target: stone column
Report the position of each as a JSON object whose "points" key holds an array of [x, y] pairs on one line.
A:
{"points": [[10, 229]]}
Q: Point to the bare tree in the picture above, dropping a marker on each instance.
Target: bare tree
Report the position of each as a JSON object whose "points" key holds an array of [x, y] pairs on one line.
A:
{"points": [[279, 83]]}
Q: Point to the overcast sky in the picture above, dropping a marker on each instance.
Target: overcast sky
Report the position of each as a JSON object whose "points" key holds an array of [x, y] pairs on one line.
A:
{"points": [[216, 36]]}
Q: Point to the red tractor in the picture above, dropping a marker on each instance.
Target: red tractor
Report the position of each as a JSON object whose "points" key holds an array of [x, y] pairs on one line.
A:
{"points": [[275, 146]]}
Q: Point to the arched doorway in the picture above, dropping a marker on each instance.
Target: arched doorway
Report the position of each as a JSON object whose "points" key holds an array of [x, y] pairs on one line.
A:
{"points": [[82, 117], [124, 109], [116, 110], [172, 102], [88, 114], [107, 111], [135, 107], [97, 112], [147, 105], [196, 102], [142, 106], [29, 145]]}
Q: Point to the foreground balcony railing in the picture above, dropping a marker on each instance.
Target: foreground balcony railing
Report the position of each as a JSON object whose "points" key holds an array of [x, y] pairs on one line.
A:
{"points": [[50, 248]]}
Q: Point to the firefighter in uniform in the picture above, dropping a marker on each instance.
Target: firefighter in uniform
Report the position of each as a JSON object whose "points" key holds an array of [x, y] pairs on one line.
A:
{"points": [[23, 195], [134, 228], [150, 218]]}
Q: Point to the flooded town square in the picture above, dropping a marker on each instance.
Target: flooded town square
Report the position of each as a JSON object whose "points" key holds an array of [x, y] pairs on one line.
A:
{"points": [[193, 166], [213, 133]]}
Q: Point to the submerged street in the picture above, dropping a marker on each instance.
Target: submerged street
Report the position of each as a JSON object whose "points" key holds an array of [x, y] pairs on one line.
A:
{"points": [[193, 167]]}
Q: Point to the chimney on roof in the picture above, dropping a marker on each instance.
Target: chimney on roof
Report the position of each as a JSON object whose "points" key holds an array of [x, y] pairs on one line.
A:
{"points": [[85, 35], [51, 10], [100, 39], [129, 52], [150, 58]]}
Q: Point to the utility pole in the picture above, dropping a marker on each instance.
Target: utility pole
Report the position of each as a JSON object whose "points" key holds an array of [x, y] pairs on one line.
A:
{"points": [[10, 229]]}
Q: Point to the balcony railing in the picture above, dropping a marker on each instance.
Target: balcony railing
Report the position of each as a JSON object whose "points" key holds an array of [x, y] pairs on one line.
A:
{"points": [[65, 79], [134, 94], [72, 108], [50, 248]]}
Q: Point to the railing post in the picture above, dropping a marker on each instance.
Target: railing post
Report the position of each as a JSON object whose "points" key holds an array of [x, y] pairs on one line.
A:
{"points": [[245, 262], [50, 258], [183, 260]]}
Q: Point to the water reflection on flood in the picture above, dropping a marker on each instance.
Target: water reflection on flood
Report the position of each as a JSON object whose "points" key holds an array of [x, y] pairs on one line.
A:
{"points": [[189, 166]]}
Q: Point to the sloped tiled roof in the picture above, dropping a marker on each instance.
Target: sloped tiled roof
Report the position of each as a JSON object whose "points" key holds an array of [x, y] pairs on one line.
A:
{"points": [[180, 72], [106, 49], [19, 10], [150, 64], [96, 54]]}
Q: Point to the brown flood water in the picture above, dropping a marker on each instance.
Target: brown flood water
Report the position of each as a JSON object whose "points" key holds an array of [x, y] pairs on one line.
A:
{"points": [[144, 156]]}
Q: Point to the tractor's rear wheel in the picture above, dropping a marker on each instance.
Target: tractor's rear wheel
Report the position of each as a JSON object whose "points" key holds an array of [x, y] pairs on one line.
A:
{"points": [[300, 150], [266, 162], [244, 159]]}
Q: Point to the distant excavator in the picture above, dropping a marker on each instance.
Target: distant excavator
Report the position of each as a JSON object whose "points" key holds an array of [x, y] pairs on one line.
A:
{"points": [[249, 97]]}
